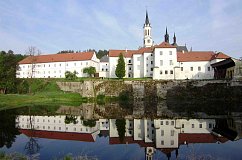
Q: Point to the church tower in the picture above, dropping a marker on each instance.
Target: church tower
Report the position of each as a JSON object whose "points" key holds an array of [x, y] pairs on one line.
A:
{"points": [[166, 36], [148, 42], [174, 40]]}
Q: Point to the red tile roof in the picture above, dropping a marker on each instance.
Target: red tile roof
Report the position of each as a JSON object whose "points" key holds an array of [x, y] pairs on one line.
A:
{"points": [[130, 140], [197, 138], [145, 50], [199, 56], [164, 45], [58, 58], [129, 53], [85, 137], [116, 53], [220, 55], [167, 150]]}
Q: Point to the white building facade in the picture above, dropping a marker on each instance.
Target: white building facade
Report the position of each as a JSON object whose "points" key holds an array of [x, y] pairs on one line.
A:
{"points": [[55, 65]]}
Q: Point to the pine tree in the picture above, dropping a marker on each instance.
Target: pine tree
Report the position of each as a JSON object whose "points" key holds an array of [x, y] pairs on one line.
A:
{"points": [[120, 69]]}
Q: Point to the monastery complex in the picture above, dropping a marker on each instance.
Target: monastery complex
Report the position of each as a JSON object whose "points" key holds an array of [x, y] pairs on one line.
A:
{"points": [[158, 61]]}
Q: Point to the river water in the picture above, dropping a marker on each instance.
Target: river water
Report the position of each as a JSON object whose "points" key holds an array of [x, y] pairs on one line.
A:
{"points": [[115, 132]]}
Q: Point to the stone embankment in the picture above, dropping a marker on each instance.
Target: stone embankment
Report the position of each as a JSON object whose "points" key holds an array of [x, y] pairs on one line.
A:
{"points": [[140, 90]]}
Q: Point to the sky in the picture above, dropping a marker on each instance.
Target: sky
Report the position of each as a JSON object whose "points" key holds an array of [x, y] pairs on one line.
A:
{"points": [[52, 26]]}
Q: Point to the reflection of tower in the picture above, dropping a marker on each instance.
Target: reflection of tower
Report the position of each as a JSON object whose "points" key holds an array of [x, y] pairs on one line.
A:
{"points": [[149, 153], [176, 153]]}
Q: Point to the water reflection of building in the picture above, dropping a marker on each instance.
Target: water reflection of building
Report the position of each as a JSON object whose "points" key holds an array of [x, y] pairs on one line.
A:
{"points": [[165, 135], [59, 127]]}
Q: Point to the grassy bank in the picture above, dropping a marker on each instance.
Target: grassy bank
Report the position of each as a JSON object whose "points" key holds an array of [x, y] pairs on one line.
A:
{"points": [[40, 92]]}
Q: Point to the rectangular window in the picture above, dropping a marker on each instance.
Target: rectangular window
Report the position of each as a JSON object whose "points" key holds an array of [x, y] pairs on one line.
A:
{"points": [[171, 71], [162, 132], [172, 142], [209, 125], [170, 52], [181, 68], [200, 125], [199, 68], [167, 122], [171, 63], [172, 123], [151, 69], [208, 68], [182, 125], [172, 132], [161, 122], [191, 68], [166, 72], [151, 62], [160, 72], [130, 68], [162, 142], [192, 125], [130, 61], [161, 62], [161, 53]]}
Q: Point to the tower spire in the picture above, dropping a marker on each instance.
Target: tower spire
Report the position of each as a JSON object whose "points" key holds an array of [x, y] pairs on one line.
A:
{"points": [[166, 36], [148, 42], [174, 40], [147, 22]]}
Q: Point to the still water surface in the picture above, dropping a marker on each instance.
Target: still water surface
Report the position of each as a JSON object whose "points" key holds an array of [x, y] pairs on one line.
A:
{"points": [[54, 133]]}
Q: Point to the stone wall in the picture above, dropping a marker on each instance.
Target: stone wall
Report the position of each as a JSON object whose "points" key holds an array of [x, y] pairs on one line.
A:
{"points": [[139, 89], [151, 90]]}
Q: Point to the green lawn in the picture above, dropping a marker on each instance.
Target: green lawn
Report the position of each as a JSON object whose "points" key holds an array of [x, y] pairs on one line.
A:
{"points": [[43, 98], [42, 92]]}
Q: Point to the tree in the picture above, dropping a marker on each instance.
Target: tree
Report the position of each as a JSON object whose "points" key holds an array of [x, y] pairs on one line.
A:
{"points": [[33, 52], [120, 124], [101, 53], [120, 69], [90, 71], [8, 129], [8, 68], [71, 76]]}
